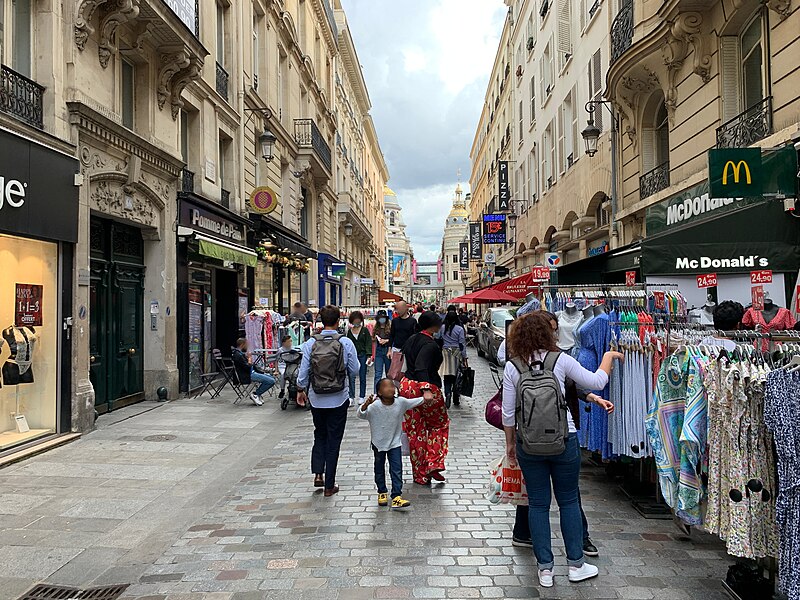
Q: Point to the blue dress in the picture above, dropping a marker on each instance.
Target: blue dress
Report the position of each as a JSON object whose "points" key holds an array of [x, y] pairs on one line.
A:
{"points": [[595, 341]]}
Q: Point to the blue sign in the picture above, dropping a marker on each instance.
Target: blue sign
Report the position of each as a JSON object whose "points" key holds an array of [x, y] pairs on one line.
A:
{"points": [[494, 228]]}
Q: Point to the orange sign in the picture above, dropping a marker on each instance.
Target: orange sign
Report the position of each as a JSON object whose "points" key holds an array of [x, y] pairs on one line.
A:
{"points": [[263, 200]]}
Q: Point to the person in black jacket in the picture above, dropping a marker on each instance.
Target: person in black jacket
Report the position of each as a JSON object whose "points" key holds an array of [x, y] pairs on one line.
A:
{"points": [[403, 327], [427, 426], [246, 373]]}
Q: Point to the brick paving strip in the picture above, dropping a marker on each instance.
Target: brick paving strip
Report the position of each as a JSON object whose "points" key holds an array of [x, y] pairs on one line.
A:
{"points": [[268, 534]]}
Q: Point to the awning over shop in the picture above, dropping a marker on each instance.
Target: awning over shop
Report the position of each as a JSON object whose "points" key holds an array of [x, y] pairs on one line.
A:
{"points": [[282, 237], [224, 251], [384, 296], [518, 287], [757, 237]]}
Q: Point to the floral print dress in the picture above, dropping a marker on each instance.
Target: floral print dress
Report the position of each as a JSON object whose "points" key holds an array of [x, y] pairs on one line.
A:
{"points": [[427, 428]]}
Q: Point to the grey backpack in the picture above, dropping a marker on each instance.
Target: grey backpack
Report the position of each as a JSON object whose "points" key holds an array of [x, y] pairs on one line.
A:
{"points": [[541, 410], [328, 369]]}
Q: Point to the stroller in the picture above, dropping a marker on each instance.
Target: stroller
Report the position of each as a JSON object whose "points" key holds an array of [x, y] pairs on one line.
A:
{"points": [[292, 360]]}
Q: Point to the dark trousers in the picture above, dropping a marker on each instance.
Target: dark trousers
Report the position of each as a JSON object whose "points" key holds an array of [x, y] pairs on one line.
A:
{"points": [[449, 382], [328, 433], [395, 456], [522, 527]]}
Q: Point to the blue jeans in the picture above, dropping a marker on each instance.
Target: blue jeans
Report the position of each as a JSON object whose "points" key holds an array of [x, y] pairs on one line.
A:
{"points": [[362, 378], [395, 456], [382, 363], [265, 381], [563, 470]]}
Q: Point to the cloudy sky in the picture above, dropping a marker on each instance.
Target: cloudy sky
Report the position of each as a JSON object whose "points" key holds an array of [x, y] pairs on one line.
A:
{"points": [[426, 63]]}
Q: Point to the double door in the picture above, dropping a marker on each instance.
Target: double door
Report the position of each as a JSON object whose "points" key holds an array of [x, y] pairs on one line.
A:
{"points": [[116, 315]]}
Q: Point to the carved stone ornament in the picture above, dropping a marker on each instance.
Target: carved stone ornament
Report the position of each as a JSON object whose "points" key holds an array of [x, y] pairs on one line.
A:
{"points": [[83, 20], [171, 61], [181, 80], [118, 12], [123, 201], [684, 36], [641, 85], [782, 7], [144, 33]]}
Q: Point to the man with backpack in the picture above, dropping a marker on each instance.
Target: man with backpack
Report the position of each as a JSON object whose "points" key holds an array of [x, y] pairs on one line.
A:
{"points": [[329, 359]]}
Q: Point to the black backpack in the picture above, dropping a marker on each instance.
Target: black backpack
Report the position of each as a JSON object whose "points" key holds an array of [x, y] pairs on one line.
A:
{"points": [[328, 368]]}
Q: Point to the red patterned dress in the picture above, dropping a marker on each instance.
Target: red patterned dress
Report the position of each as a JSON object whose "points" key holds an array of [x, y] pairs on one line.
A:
{"points": [[428, 429]]}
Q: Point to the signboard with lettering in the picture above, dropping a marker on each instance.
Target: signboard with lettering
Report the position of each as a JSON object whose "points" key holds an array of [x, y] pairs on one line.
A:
{"points": [[475, 241], [630, 278], [263, 200], [660, 300], [186, 11], [707, 281], [734, 172], [28, 305], [759, 277], [504, 192], [463, 256], [540, 273], [757, 297], [203, 220], [494, 229]]}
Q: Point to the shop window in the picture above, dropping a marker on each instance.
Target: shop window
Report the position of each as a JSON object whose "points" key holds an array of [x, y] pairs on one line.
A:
{"points": [[29, 335], [128, 93]]}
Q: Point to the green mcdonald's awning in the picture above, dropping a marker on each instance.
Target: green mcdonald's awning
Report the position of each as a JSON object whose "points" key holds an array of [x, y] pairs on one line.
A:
{"points": [[224, 251]]}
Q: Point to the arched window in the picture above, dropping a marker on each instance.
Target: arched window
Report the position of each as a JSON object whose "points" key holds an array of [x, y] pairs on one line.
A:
{"points": [[391, 219], [654, 146]]}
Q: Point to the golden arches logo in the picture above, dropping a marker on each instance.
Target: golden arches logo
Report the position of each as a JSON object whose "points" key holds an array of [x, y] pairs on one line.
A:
{"points": [[736, 170]]}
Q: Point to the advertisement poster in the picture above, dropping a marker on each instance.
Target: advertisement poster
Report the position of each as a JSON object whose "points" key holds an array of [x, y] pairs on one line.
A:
{"points": [[494, 229], [475, 241], [423, 280], [400, 266], [28, 305], [242, 308], [195, 343], [463, 256]]}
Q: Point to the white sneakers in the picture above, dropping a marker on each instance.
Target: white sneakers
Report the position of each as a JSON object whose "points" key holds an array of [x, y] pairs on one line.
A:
{"points": [[256, 399], [576, 574], [361, 401], [582, 573]]}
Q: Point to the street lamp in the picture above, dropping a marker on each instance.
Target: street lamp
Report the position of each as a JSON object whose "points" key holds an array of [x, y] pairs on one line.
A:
{"points": [[464, 280], [267, 142], [348, 229], [591, 135]]}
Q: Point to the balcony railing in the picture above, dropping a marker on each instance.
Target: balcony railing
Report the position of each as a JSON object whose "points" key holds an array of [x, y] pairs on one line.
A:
{"points": [[21, 97], [308, 135], [187, 181], [225, 198], [654, 181], [622, 31], [222, 81], [747, 128]]}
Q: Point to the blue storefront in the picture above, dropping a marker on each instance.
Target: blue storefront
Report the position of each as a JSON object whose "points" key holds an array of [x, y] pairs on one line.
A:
{"points": [[331, 270]]}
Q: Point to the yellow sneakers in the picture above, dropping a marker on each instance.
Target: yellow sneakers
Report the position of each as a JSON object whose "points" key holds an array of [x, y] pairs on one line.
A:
{"points": [[383, 499], [398, 502]]}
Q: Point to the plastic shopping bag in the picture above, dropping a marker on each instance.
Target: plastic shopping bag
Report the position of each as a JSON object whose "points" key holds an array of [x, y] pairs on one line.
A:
{"points": [[405, 446], [506, 485]]}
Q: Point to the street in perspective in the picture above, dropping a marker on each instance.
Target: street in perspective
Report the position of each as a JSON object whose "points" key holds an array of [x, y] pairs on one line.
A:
{"points": [[362, 299]]}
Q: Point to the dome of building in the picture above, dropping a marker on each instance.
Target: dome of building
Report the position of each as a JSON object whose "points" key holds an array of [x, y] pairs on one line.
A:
{"points": [[459, 212]]}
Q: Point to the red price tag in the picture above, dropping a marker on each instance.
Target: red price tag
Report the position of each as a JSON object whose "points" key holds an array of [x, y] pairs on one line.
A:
{"points": [[757, 296], [630, 278], [660, 300], [759, 277], [707, 281], [797, 299], [540, 273]]}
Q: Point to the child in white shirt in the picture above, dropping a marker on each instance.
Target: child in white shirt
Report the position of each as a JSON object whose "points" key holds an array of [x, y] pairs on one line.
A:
{"points": [[385, 412]]}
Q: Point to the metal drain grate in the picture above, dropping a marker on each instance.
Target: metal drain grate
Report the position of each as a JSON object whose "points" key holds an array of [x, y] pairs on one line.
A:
{"points": [[57, 592], [160, 438]]}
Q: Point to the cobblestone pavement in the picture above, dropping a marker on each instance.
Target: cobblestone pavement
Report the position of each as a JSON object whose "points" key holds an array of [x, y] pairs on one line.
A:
{"points": [[273, 536], [226, 511]]}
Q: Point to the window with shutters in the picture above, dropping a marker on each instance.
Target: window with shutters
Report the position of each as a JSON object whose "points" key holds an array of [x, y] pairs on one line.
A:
{"points": [[521, 119], [561, 157], [547, 66], [533, 100], [531, 185], [654, 146], [531, 33], [596, 87], [564, 36], [743, 69], [570, 128], [16, 35], [582, 14]]}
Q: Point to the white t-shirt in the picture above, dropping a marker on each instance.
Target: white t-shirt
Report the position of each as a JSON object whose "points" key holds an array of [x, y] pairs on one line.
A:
{"points": [[386, 421], [566, 367]]}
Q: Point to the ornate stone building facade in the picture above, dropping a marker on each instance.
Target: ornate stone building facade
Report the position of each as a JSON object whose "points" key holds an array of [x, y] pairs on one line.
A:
{"points": [[456, 231], [399, 253]]}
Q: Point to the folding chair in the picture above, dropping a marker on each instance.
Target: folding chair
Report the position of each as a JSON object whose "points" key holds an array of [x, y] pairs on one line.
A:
{"points": [[224, 367], [212, 383], [242, 390]]}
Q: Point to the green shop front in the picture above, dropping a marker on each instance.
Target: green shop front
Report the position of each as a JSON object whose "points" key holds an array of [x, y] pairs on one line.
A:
{"points": [[691, 235], [215, 275]]}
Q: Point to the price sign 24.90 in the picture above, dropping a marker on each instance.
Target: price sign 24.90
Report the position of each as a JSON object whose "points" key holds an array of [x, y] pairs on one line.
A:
{"points": [[759, 277], [707, 281]]}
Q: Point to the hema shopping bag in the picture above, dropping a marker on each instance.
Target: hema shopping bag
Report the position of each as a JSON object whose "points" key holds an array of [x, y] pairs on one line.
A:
{"points": [[506, 485]]}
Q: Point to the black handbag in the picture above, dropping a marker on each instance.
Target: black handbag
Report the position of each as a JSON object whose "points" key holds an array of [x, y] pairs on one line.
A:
{"points": [[467, 381]]}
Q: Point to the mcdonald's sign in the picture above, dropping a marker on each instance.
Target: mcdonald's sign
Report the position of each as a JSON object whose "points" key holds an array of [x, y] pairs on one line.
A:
{"points": [[735, 172]]}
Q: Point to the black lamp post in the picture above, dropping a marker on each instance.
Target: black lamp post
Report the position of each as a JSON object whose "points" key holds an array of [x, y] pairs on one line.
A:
{"points": [[591, 136]]}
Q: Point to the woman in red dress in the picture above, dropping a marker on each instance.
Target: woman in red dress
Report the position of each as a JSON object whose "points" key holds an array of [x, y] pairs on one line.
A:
{"points": [[427, 426]]}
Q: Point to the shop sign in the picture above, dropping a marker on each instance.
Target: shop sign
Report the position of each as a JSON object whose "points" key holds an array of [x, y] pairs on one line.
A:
{"points": [[263, 200], [736, 262], [367, 281], [475, 241], [759, 277], [337, 270], [186, 11], [552, 260], [734, 172], [203, 220], [707, 281], [490, 258], [757, 297], [503, 191], [463, 256], [540, 273], [28, 305], [630, 278], [494, 229], [598, 250]]}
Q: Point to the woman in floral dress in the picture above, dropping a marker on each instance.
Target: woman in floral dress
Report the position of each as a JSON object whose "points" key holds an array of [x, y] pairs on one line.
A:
{"points": [[427, 426]]}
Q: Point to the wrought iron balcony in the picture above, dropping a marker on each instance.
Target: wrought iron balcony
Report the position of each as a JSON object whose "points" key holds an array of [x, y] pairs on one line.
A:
{"points": [[654, 181], [747, 128], [222, 81], [21, 97], [308, 136], [187, 181], [225, 198], [622, 31]]}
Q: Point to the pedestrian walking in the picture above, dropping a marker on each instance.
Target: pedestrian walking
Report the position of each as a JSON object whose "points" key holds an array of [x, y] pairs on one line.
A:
{"points": [[329, 358], [385, 413], [403, 327], [427, 426], [535, 446], [362, 340], [454, 351], [381, 347], [247, 373]]}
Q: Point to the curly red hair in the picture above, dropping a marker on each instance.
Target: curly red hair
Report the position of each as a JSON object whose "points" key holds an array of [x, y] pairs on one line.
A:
{"points": [[531, 333]]}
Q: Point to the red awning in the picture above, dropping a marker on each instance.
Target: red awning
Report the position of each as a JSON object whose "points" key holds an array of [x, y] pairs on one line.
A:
{"points": [[384, 296], [486, 296], [519, 287]]}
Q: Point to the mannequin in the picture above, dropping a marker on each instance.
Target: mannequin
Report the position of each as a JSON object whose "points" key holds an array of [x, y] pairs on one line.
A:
{"points": [[599, 309], [772, 318], [21, 342], [770, 309], [568, 321]]}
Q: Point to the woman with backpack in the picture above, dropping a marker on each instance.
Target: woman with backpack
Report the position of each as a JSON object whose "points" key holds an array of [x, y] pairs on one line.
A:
{"points": [[454, 346], [541, 436], [427, 426]]}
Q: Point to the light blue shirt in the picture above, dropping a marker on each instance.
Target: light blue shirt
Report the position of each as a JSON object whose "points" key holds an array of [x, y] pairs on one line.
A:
{"points": [[304, 377]]}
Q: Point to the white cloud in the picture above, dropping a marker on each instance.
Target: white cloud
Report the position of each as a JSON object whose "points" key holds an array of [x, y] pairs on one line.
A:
{"points": [[414, 58]]}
